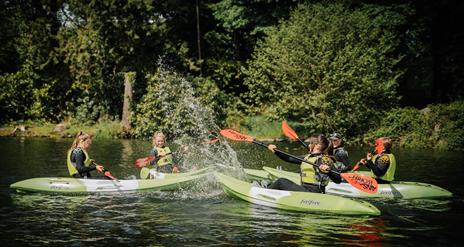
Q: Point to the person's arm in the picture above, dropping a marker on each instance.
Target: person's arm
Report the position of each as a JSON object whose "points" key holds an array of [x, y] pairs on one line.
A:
{"points": [[335, 177], [380, 167], [154, 153], [79, 157], [343, 163], [286, 157]]}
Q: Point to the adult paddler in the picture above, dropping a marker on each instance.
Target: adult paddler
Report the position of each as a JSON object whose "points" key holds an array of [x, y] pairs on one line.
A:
{"points": [[313, 179]]}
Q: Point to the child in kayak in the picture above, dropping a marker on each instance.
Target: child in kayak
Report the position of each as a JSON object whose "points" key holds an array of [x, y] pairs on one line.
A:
{"points": [[313, 179], [162, 156], [78, 161], [337, 150], [383, 163]]}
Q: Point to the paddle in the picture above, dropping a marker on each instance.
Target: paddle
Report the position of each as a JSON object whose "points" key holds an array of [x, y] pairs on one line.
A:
{"points": [[359, 181], [105, 171], [141, 162], [290, 133], [109, 175], [356, 167]]}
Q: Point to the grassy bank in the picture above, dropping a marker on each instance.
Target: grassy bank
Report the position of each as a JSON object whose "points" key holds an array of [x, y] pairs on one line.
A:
{"points": [[438, 126], [101, 129]]}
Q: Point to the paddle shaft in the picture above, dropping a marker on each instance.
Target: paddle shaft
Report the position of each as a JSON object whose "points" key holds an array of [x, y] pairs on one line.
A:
{"points": [[302, 142], [291, 155]]}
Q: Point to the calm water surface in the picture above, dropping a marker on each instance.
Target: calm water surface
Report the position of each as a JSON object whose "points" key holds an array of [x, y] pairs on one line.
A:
{"points": [[203, 215]]}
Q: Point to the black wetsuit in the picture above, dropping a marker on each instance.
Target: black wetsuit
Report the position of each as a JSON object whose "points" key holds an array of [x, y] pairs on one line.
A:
{"points": [[285, 184], [341, 156], [77, 158], [379, 168]]}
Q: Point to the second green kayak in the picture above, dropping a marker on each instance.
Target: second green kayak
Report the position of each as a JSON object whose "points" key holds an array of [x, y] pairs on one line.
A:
{"points": [[147, 173], [395, 189], [295, 201]]}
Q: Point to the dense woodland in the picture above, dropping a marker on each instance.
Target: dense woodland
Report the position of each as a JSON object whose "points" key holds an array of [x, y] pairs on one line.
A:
{"points": [[356, 67]]}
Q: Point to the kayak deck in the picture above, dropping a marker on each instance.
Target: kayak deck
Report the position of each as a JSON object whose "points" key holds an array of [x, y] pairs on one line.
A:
{"points": [[395, 189], [294, 201], [68, 185], [145, 172]]}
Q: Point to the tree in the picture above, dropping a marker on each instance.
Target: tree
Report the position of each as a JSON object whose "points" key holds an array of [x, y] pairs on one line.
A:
{"points": [[333, 67], [33, 84]]}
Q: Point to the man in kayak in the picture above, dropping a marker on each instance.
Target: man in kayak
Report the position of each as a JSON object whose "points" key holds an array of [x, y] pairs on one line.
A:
{"points": [[313, 179], [163, 157], [383, 163], [337, 150], [78, 161]]}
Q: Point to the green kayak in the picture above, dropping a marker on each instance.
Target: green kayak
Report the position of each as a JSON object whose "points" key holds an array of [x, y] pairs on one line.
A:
{"points": [[395, 189], [295, 201], [68, 185], [255, 174], [146, 173]]}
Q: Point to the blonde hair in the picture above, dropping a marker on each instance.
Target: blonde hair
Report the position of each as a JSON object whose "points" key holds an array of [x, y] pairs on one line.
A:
{"points": [[158, 134], [80, 137]]}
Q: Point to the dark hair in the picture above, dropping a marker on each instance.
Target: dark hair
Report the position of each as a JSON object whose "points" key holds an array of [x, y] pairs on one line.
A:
{"points": [[387, 143], [319, 139]]}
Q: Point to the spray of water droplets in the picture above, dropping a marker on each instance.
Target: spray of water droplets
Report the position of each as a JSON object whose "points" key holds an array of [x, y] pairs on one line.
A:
{"points": [[192, 127]]}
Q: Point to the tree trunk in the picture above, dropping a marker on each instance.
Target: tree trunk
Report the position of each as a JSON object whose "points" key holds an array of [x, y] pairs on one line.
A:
{"points": [[198, 29], [129, 78]]}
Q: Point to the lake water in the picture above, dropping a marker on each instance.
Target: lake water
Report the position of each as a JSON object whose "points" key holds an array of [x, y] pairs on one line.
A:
{"points": [[204, 215]]}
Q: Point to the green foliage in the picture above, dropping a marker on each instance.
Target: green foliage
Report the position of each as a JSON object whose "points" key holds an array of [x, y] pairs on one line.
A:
{"points": [[241, 23], [108, 129], [448, 123], [16, 97], [332, 67], [437, 126], [261, 127], [40, 90]]}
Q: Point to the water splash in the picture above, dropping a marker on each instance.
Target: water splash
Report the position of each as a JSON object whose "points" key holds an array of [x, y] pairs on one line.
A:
{"points": [[191, 126]]}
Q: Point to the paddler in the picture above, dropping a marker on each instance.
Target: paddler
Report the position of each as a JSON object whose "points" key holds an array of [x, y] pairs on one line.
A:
{"points": [[163, 158], [78, 161], [337, 150], [383, 163], [313, 179]]}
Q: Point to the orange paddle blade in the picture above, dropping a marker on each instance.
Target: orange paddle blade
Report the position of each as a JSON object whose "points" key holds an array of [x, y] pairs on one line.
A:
{"points": [[141, 162], [361, 182], [289, 132], [236, 136], [108, 174]]}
